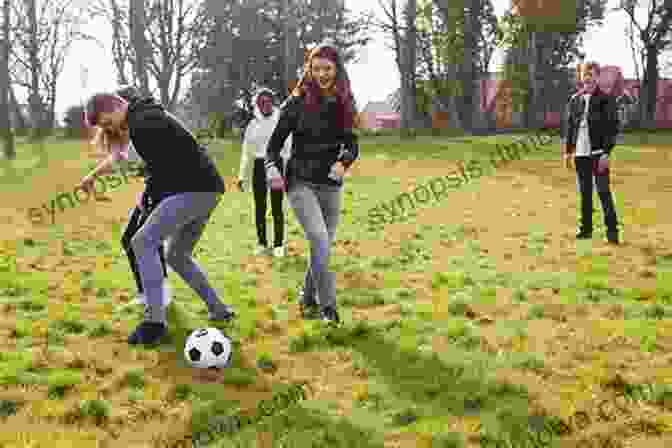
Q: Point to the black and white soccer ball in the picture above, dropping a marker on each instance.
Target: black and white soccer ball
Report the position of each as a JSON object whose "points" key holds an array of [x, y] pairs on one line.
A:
{"points": [[207, 348]]}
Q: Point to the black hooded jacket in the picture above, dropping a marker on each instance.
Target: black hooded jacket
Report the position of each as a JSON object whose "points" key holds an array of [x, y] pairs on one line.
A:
{"points": [[175, 162], [317, 143], [603, 122]]}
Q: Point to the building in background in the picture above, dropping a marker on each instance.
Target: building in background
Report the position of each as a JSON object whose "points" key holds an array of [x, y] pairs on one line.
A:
{"points": [[379, 115]]}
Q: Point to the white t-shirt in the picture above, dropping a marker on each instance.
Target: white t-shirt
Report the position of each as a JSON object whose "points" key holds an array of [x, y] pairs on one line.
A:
{"points": [[257, 136], [125, 152], [583, 148], [133, 155]]}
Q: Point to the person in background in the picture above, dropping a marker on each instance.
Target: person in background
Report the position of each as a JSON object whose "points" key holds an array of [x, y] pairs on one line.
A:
{"points": [[257, 135], [591, 125]]}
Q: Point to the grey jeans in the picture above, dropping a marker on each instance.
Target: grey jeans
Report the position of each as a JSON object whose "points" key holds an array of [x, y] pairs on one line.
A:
{"points": [[179, 220], [318, 209]]}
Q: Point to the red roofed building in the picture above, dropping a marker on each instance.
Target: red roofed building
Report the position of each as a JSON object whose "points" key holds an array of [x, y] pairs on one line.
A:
{"points": [[379, 115]]}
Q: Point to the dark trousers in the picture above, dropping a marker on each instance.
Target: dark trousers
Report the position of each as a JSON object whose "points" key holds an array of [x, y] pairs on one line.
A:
{"points": [[136, 221], [260, 191], [586, 173]]}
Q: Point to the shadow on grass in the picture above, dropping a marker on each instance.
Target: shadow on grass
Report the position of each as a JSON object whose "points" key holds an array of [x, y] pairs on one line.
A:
{"points": [[436, 387], [456, 388], [295, 426]]}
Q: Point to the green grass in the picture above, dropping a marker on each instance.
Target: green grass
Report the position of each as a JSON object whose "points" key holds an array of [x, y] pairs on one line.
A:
{"points": [[62, 381], [410, 388], [98, 410]]}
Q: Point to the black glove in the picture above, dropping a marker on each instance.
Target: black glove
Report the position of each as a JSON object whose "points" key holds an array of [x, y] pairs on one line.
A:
{"points": [[241, 185]]}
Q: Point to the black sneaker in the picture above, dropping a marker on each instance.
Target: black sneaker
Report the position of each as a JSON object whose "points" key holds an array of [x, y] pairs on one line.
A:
{"points": [[309, 311], [222, 313], [330, 316], [148, 333], [308, 308], [582, 235]]}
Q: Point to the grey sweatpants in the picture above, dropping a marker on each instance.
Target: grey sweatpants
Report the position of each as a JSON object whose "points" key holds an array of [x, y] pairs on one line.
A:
{"points": [[318, 209], [179, 220]]}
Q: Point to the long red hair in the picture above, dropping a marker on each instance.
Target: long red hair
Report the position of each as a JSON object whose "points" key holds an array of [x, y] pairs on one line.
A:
{"points": [[310, 89]]}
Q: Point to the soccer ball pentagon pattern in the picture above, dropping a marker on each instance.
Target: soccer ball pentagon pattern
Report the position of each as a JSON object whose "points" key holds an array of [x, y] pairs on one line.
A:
{"points": [[206, 348]]}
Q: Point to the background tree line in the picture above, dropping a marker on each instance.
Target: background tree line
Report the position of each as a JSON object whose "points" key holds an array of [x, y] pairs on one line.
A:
{"points": [[205, 58]]}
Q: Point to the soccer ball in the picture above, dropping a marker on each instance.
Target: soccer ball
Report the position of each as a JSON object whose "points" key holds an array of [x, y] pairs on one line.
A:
{"points": [[207, 348]]}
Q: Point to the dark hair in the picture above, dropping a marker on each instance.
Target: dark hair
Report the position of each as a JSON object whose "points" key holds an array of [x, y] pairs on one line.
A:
{"points": [[310, 89], [101, 103]]}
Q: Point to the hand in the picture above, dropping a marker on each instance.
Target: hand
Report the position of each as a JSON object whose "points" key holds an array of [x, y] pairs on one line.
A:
{"points": [[87, 183], [603, 164], [240, 185], [277, 183], [568, 160], [140, 201], [338, 169]]}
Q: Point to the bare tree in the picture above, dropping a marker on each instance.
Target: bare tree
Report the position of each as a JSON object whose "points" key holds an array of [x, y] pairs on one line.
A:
{"points": [[409, 59], [400, 26], [21, 125], [141, 50], [5, 124], [177, 35], [654, 37], [121, 49], [32, 49], [39, 54], [156, 43]]}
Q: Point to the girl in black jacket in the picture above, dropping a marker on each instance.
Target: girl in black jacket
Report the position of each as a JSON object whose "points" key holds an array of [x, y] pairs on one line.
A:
{"points": [[139, 214], [184, 187], [320, 114]]}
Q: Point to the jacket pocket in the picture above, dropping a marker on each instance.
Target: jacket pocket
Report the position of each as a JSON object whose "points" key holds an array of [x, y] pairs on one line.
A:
{"points": [[309, 168]]}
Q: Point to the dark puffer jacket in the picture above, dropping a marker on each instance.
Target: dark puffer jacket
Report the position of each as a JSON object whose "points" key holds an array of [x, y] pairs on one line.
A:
{"points": [[317, 143], [603, 122], [175, 162]]}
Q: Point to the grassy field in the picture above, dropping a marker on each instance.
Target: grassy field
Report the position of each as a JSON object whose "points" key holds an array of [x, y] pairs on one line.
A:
{"points": [[475, 322]]}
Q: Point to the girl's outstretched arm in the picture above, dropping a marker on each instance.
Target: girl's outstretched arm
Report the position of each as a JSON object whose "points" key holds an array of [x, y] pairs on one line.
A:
{"points": [[117, 150]]}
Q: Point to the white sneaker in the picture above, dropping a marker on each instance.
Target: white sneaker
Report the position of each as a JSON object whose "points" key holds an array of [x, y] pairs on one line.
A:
{"points": [[260, 250], [167, 296], [279, 251]]}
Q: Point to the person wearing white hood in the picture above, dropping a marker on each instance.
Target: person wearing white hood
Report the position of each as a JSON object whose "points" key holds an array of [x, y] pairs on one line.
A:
{"points": [[257, 135]]}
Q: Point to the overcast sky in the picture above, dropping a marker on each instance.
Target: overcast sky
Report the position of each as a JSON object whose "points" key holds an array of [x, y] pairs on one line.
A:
{"points": [[373, 77]]}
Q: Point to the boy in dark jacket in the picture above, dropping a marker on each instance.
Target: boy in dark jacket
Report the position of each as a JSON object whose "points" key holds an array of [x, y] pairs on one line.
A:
{"points": [[591, 126]]}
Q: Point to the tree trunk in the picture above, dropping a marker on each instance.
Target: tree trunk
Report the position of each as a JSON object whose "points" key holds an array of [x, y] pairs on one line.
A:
{"points": [[34, 98], [21, 122], [118, 43], [451, 102], [5, 125], [407, 69], [139, 43], [649, 89], [467, 69], [534, 105]]}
